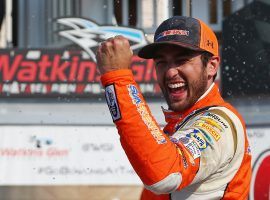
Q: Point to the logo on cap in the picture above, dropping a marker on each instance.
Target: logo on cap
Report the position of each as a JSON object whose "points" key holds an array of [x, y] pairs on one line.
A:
{"points": [[210, 43], [172, 32]]}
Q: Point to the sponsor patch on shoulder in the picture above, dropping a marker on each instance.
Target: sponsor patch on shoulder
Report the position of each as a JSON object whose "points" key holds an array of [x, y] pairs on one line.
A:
{"points": [[217, 119], [198, 137], [185, 138], [212, 123], [207, 137], [193, 149], [112, 102], [208, 128]]}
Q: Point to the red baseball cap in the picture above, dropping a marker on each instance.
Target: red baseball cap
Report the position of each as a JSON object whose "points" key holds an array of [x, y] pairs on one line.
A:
{"points": [[186, 32]]}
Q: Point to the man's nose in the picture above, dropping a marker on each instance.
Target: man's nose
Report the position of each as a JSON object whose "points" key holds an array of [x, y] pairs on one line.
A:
{"points": [[172, 71]]}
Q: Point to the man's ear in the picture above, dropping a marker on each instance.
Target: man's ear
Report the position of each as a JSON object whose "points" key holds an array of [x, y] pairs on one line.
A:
{"points": [[212, 66]]}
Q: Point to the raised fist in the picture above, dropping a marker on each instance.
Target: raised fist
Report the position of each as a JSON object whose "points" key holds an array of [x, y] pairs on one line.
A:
{"points": [[114, 54]]}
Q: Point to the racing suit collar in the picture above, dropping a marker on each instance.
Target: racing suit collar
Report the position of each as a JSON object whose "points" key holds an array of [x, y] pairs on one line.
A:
{"points": [[210, 97]]}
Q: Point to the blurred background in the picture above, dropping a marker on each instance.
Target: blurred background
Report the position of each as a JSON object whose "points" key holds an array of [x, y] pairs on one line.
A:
{"points": [[57, 137]]}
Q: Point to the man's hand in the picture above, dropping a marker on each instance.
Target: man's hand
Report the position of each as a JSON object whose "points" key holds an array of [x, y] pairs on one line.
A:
{"points": [[113, 54]]}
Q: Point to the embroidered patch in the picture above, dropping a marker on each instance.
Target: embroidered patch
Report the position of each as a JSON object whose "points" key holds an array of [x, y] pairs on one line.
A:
{"points": [[180, 137], [173, 32], [208, 129], [194, 134], [207, 137], [216, 117], [185, 140], [112, 102], [192, 147], [145, 115], [197, 136], [212, 122]]}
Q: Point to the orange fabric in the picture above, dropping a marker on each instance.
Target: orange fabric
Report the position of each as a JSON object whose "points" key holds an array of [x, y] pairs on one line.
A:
{"points": [[208, 39], [151, 153]]}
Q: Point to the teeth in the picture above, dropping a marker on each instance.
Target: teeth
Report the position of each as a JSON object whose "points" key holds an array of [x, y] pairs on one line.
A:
{"points": [[176, 85]]}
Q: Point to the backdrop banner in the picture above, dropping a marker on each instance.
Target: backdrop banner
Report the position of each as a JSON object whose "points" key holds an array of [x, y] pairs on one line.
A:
{"points": [[92, 155]]}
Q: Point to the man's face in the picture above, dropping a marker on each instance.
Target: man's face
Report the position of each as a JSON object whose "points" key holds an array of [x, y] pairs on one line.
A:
{"points": [[181, 76]]}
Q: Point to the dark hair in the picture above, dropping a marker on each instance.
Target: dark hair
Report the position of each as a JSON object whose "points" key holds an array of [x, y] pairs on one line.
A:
{"points": [[205, 57]]}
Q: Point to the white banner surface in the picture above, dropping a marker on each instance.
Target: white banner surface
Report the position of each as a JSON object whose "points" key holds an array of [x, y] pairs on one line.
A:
{"points": [[51, 155]]}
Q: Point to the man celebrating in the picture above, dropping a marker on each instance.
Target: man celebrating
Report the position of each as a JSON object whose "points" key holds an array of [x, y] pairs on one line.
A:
{"points": [[203, 152]]}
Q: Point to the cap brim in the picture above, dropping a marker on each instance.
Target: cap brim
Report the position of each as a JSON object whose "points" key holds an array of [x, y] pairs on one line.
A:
{"points": [[149, 51]]}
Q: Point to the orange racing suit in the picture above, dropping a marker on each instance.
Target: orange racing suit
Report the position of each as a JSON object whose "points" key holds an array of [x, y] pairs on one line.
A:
{"points": [[202, 153]]}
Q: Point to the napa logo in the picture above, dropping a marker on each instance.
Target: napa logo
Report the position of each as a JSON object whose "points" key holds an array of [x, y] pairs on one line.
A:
{"points": [[199, 139], [87, 34]]}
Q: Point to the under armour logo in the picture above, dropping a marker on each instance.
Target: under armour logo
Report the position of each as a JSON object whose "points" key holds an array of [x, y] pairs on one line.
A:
{"points": [[210, 43]]}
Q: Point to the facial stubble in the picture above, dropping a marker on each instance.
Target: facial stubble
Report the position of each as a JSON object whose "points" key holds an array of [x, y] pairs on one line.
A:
{"points": [[195, 90]]}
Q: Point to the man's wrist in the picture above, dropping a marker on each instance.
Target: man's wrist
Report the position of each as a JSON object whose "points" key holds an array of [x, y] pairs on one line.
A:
{"points": [[114, 75]]}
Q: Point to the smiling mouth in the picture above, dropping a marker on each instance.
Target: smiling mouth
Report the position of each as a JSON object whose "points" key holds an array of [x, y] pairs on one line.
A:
{"points": [[177, 91], [177, 87]]}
